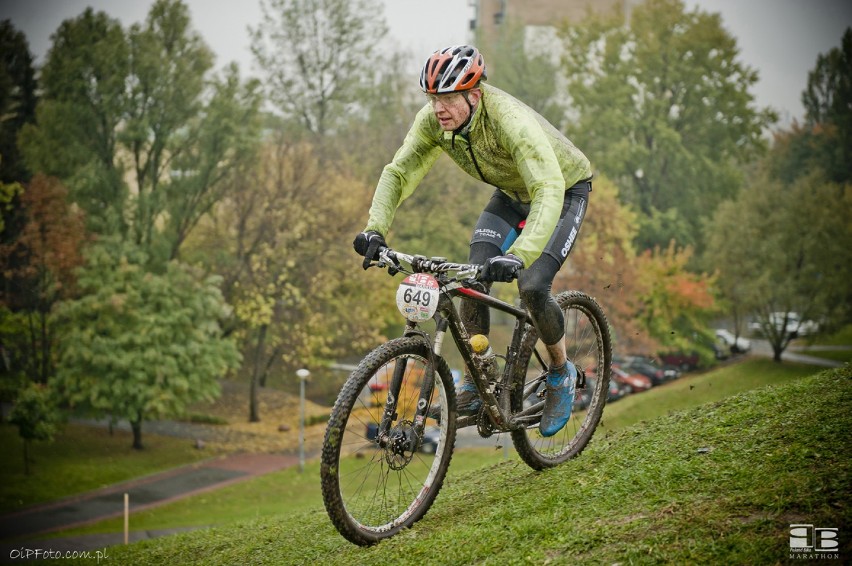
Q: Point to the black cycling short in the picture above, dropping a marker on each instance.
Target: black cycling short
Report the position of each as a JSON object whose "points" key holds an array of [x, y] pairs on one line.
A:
{"points": [[503, 219], [498, 227]]}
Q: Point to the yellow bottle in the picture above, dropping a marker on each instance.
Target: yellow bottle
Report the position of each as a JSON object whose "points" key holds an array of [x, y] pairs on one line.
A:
{"points": [[479, 343], [484, 356]]}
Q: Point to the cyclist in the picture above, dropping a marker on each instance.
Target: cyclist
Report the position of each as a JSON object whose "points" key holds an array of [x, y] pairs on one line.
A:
{"points": [[533, 217]]}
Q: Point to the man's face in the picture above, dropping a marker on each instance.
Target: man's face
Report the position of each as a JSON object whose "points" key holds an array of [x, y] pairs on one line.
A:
{"points": [[451, 109]]}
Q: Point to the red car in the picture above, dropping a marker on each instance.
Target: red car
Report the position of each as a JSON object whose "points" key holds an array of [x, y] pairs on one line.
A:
{"points": [[636, 381]]}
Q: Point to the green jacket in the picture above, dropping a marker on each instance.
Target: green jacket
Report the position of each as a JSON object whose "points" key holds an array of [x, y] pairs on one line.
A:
{"points": [[515, 150]]}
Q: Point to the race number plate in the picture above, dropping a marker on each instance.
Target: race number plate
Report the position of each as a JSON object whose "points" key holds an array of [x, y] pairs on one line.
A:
{"points": [[417, 297]]}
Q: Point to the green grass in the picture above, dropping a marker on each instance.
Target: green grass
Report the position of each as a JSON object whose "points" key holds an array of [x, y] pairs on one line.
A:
{"points": [[288, 492], [717, 484], [80, 459], [811, 346], [279, 494], [694, 389], [842, 356], [842, 337]]}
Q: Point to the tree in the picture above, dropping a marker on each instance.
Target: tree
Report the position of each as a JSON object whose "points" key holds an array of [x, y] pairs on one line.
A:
{"points": [[17, 99], [142, 101], [784, 248], [184, 136], [78, 117], [676, 304], [37, 270], [828, 107], [664, 109], [138, 345], [319, 57], [36, 417], [289, 272]]}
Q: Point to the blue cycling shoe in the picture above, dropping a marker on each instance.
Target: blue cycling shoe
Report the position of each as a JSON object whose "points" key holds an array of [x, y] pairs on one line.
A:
{"points": [[467, 400], [559, 400]]}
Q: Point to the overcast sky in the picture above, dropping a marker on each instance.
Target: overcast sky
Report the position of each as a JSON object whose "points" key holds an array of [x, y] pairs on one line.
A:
{"points": [[779, 38]]}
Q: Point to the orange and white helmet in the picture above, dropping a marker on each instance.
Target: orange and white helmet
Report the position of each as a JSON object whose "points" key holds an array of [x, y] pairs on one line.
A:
{"points": [[453, 69]]}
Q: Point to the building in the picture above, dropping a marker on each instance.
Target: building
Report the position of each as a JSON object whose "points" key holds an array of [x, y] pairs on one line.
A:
{"points": [[490, 14]]}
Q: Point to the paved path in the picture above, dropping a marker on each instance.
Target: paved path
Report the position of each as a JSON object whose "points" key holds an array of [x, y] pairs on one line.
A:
{"points": [[797, 353], [144, 493]]}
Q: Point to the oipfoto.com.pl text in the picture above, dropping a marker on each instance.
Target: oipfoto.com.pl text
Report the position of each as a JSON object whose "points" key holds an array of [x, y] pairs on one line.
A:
{"points": [[50, 554]]}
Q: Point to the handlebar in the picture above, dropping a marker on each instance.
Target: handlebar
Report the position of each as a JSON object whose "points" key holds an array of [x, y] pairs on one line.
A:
{"points": [[421, 264]]}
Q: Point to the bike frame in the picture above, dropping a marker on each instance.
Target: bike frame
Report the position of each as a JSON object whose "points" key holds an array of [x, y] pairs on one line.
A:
{"points": [[447, 317]]}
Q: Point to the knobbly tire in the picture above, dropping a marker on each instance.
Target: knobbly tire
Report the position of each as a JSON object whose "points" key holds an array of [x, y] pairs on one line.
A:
{"points": [[372, 492], [588, 347]]}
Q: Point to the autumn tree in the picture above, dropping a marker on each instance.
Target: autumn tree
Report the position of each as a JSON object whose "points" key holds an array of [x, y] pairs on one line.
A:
{"points": [[37, 271], [283, 243], [676, 304], [664, 108]]}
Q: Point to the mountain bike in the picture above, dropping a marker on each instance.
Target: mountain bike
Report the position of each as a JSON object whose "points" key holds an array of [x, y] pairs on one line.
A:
{"points": [[393, 427]]}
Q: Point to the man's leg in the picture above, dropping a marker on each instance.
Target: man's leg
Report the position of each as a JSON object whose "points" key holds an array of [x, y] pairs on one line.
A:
{"points": [[495, 231], [535, 284]]}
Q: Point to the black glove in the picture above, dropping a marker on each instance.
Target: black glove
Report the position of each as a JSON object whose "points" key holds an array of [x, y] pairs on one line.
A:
{"points": [[502, 268], [368, 245]]}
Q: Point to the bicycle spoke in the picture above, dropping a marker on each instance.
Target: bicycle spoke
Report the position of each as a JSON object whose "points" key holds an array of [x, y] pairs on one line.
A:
{"points": [[373, 487], [587, 346]]}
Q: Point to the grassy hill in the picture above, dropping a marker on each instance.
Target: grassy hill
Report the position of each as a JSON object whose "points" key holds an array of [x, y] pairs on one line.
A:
{"points": [[721, 483]]}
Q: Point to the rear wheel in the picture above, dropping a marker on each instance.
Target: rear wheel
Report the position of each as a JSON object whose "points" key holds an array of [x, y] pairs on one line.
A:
{"points": [[372, 486], [588, 347]]}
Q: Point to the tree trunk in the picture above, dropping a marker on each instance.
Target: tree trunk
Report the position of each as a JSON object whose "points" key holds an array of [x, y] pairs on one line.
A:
{"points": [[45, 349], [136, 425], [26, 457], [254, 411], [777, 350]]}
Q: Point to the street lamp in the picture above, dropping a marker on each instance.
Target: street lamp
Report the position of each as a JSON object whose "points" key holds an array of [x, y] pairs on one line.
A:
{"points": [[303, 375]]}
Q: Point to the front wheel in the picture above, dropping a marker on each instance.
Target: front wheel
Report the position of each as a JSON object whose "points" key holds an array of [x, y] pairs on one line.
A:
{"points": [[374, 482], [588, 346]]}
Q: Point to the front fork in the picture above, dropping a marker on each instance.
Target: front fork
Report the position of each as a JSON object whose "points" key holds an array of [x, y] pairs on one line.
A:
{"points": [[390, 415]]}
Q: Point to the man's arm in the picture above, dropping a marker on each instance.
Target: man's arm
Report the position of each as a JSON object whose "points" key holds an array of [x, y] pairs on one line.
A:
{"points": [[402, 175]]}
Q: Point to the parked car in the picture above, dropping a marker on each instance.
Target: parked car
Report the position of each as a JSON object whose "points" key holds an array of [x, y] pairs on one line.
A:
{"points": [[635, 380], [736, 344], [721, 351], [616, 391], [794, 326], [657, 374], [684, 361]]}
